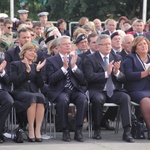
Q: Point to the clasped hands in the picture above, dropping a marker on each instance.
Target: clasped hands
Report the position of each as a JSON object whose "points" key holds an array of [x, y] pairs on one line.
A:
{"points": [[72, 61], [148, 71], [38, 67], [2, 66], [113, 66]]}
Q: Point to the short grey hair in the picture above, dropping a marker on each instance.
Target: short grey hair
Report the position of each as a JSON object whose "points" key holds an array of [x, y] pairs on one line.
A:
{"points": [[59, 39], [101, 37], [124, 37]]}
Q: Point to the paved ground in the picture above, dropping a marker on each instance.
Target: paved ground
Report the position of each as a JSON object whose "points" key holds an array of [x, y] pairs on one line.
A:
{"points": [[109, 141]]}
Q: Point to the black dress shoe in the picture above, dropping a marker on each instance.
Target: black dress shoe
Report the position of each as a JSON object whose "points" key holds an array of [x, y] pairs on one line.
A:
{"points": [[148, 134], [31, 139], [38, 140], [78, 136], [3, 138], [1, 141], [128, 137], [105, 124], [97, 135], [66, 136]]}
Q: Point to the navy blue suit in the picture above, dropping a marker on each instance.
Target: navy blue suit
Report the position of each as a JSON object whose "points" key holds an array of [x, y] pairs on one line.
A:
{"points": [[95, 74], [63, 96], [138, 87], [106, 32], [13, 55], [6, 101]]}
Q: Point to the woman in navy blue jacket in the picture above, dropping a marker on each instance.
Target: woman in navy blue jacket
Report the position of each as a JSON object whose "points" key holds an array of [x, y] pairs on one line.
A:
{"points": [[137, 72]]}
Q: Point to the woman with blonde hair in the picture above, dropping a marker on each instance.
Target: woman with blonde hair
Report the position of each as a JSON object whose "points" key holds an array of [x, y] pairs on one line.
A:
{"points": [[27, 80]]}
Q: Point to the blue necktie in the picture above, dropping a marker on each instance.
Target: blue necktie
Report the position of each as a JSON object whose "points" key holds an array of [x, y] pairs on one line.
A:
{"points": [[109, 83]]}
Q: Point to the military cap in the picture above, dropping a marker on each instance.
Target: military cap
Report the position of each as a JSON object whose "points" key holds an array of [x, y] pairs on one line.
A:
{"points": [[22, 11], [3, 15], [114, 34], [43, 14], [80, 38]]}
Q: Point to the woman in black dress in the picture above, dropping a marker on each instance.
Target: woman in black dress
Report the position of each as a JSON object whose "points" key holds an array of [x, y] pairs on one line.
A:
{"points": [[27, 79]]}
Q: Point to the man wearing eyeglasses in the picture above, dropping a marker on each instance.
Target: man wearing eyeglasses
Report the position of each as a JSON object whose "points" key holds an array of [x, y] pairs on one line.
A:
{"points": [[7, 31], [104, 75]]}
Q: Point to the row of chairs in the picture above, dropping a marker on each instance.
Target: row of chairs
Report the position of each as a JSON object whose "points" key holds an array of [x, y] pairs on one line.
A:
{"points": [[51, 112]]}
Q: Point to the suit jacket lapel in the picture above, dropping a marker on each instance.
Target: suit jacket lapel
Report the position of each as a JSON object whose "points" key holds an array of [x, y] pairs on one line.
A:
{"points": [[111, 57], [59, 60], [99, 59]]}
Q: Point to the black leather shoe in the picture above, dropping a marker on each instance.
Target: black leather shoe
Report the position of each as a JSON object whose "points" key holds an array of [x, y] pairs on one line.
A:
{"points": [[66, 136], [148, 134], [78, 136], [31, 139], [3, 138], [38, 140], [1, 141], [128, 137], [105, 124], [97, 135]]}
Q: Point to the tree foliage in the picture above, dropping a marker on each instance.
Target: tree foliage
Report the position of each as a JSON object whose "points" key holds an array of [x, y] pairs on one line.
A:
{"points": [[73, 10]]}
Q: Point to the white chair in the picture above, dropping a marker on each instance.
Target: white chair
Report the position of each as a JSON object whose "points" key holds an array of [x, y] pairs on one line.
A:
{"points": [[105, 105]]}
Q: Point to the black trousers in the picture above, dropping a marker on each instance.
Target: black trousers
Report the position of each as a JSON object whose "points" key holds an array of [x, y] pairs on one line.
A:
{"points": [[63, 100], [120, 98], [6, 103]]}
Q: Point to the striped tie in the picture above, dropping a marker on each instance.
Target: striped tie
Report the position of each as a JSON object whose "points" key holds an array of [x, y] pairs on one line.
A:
{"points": [[69, 83]]}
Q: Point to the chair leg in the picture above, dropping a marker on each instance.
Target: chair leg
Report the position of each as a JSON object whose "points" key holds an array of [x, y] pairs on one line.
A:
{"points": [[54, 118], [117, 121]]}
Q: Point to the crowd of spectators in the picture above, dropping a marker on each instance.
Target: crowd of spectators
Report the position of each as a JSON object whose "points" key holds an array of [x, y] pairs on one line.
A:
{"points": [[44, 62]]}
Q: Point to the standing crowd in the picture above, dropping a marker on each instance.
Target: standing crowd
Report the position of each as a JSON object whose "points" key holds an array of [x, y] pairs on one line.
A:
{"points": [[41, 63]]}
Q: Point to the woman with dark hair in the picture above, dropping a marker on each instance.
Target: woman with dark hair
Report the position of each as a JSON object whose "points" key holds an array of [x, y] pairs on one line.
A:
{"points": [[27, 79], [137, 73], [61, 25]]}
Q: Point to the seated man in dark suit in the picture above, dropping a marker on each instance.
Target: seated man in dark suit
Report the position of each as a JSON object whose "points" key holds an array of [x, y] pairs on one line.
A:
{"points": [[103, 73], [67, 85], [6, 101], [110, 27], [126, 45], [139, 29]]}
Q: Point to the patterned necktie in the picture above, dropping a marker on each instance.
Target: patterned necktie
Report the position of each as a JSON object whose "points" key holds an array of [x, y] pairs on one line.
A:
{"points": [[69, 83], [109, 83]]}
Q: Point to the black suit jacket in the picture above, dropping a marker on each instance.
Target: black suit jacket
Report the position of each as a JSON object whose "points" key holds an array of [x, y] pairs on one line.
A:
{"points": [[84, 54], [135, 35], [23, 81], [95, 74], [123, 54], [13, 55], [4, 81], [57, 79], [106, 32]]}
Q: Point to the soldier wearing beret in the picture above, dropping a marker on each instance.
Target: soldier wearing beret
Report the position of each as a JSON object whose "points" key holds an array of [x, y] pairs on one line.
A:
{"points": [[81, 43]]}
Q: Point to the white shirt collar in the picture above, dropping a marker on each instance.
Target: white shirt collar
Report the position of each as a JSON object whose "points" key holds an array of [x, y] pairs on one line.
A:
{"points": [[104, 55]]}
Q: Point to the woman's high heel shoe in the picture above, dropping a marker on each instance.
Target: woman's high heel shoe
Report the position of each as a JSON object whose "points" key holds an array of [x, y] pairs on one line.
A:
{"points": [[31, 139], [38, 139], [148, 134]]}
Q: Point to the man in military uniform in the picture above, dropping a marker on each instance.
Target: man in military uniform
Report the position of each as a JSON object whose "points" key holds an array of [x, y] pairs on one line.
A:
{"points": [[23, 14]]}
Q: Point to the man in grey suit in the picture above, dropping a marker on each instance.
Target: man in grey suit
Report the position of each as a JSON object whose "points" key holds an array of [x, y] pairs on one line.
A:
{"points": [[103, 74]]}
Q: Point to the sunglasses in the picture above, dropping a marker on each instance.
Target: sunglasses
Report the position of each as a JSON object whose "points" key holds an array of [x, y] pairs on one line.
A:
{"points": [[9, 27], [32, 34]]}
